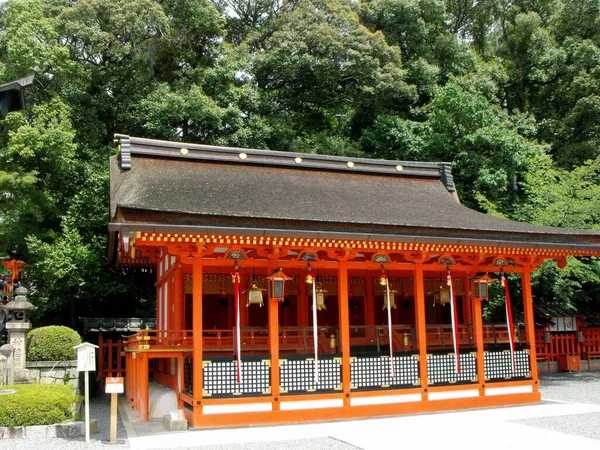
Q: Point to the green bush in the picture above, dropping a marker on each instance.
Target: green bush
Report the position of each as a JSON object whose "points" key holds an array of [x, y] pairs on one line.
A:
{"points": [[53, 343], [37, 404]]}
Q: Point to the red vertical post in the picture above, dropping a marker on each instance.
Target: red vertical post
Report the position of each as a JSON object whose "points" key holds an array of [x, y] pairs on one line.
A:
{"points": [[110, 358], [143, 386], [119, 358], [529, 324], [274, 349], [344, 337], [479, 342], [421, 328], [178, 296], [197, 333]]}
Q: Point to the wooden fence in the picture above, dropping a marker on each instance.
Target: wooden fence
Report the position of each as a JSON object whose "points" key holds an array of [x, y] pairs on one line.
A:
{"points": [[111, 357]]}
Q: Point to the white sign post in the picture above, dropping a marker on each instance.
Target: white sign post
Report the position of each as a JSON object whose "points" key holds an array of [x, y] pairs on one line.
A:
{"points": [[114, 387], [86, 362]]}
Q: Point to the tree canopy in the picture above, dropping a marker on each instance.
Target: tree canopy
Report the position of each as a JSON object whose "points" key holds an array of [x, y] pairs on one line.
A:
{"points": [[505, 90]]}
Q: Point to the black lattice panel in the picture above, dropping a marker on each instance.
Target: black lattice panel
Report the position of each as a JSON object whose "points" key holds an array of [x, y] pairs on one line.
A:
{"points": [[188, 375], [498, 365], [298, 375], [220, 378], [441, 368], [376, 371]]}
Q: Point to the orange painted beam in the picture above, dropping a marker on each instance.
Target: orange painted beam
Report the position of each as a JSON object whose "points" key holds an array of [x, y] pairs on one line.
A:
{"points": [[366, 411], [347, 245]]}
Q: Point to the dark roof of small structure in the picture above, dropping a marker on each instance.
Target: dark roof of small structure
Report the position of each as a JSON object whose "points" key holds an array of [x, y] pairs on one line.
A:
{"points": [[189, 188], [548, 311]]}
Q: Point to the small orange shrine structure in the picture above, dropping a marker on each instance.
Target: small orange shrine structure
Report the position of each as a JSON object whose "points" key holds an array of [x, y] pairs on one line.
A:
{"points": [[300, 287]]}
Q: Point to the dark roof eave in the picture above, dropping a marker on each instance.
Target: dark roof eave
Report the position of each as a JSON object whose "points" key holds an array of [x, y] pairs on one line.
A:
{"points": [[317, 234]]}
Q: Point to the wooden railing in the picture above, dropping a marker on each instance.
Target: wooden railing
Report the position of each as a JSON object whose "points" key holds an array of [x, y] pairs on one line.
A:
{"points": [[255, 340], [252, 340], [549, 346]]}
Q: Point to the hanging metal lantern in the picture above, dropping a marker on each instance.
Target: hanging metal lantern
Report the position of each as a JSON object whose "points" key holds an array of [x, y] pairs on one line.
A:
{"points": [[277, 284], [480, 286], [393, 293], [441, 296], [255, 296], [320, 293]]}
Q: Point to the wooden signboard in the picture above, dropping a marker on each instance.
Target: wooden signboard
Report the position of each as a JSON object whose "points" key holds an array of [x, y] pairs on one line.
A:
{"points": [[114, 385]]}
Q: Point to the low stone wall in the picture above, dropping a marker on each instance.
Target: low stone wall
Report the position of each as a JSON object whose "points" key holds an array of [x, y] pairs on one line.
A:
{"points": [[54, 372], [60, 430]]}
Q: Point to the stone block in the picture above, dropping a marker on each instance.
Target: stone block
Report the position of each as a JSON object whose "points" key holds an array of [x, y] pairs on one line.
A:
{"points": [[75, 429], [34, 375], [12, 432], [174, 424], [40, 431]]}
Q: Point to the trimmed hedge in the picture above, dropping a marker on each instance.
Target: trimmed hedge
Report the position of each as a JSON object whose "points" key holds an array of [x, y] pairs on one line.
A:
{"points": [[53, 343], [37, 404]]}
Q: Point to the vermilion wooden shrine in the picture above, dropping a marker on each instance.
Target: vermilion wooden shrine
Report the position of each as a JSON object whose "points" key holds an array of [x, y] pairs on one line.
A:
{"points": [[381, 309]]}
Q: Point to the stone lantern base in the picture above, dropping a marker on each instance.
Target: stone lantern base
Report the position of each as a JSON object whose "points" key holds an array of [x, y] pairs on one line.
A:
{"points": [[17, 335]]}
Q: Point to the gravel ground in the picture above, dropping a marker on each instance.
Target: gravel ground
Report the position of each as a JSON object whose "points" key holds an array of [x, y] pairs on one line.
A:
{"points": [[582, 387], [564, 387]]}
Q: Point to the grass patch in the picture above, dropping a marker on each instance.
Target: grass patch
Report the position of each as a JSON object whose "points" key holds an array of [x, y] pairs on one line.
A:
{"points": [[37, 404]]}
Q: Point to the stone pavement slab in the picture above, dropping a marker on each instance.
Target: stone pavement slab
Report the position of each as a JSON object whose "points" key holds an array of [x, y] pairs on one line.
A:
{"points": [[556, 423]]}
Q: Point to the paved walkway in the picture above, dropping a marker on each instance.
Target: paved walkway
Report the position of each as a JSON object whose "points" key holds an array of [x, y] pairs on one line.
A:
{"points": [[568, 416]]}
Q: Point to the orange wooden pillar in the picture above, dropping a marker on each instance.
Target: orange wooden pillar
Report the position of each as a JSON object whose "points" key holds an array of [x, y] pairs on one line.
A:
{"points": [[421, 330], [178, 298], [529, 325], [198, 369], [143, 387], [274, 350], [134, 380], [478, 335], [344, 322], [128, 375]]}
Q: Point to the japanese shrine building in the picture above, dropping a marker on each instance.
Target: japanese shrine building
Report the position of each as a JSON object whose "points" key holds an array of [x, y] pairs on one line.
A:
{"points": [[385, 273]]}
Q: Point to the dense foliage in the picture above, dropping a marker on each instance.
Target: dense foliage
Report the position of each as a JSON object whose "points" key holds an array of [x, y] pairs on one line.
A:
{"points": [[38, 404], [52, 343], [508, 91]]}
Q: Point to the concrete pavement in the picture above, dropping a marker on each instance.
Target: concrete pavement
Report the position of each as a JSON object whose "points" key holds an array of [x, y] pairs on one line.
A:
{"points": [[568, 416]]}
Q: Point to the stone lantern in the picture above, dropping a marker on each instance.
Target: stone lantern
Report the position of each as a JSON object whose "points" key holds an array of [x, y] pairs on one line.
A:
{"points": [[19, 306], [17, 328]]}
